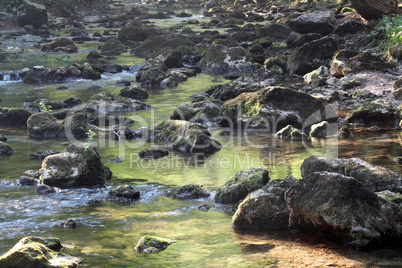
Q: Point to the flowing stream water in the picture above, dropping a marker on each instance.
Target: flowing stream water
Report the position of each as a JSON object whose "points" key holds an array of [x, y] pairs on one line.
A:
{"points": [[107, 232]]}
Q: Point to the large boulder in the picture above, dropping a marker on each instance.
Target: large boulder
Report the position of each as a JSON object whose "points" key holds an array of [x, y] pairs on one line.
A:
{"points": [[76, 166], [107, 102], [312, 55], [243, 183], [275, 107], [136, 31], [171, 57], [152, 73], [375, 178], [14, 116], [39, 253], [160, 42], [29, 13], [220, 59], [44, 125], [112, 47], [181, 136], [344, 209], [322, 22], [265, 208]]}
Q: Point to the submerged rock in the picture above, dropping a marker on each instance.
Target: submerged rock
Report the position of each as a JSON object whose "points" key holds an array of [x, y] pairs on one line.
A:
{"points": [[38, 252], [182, 136], [189, 191], [6, 149], [3, 138], [243, 183], [153, 244], [75, 166], [41, 154], [153, 153], [375, 178], [265, 208], [344, 209]]}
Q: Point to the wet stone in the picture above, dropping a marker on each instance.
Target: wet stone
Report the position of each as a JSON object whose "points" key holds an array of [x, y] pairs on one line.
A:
{"points": [[25, 180]]}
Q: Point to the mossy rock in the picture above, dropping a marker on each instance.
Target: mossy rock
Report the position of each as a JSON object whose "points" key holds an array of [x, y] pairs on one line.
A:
{"points": [[243, 183], [44, 125], [371, 112], [231, 90], [42, 154], [107, 102], [319, 130], [189, 191], [375, 178], [344, 132], [6, 149], [75, 166], [220, 59], [153, 244], [390, 196], [90, 73], [200, 112], [61, 44], [125, 191], [298, 135], [349, 84], [285, 132], [265, 208], [182, 136], [113, 47], [37, 252], [344, 209], [134, 92], [14, 116]]}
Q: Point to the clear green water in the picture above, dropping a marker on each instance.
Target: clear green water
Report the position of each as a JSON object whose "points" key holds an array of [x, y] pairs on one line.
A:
{"points": [[107, 232]]}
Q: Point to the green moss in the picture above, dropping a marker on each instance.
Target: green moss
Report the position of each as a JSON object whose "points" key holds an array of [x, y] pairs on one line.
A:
{"points": [[153, 244]]}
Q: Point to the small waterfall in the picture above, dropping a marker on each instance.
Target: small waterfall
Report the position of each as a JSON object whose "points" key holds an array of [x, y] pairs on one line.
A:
{"points": [[10, 76]]}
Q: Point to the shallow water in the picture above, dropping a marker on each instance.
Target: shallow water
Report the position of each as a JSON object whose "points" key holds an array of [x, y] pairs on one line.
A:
{"points": [[107, 232]]}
